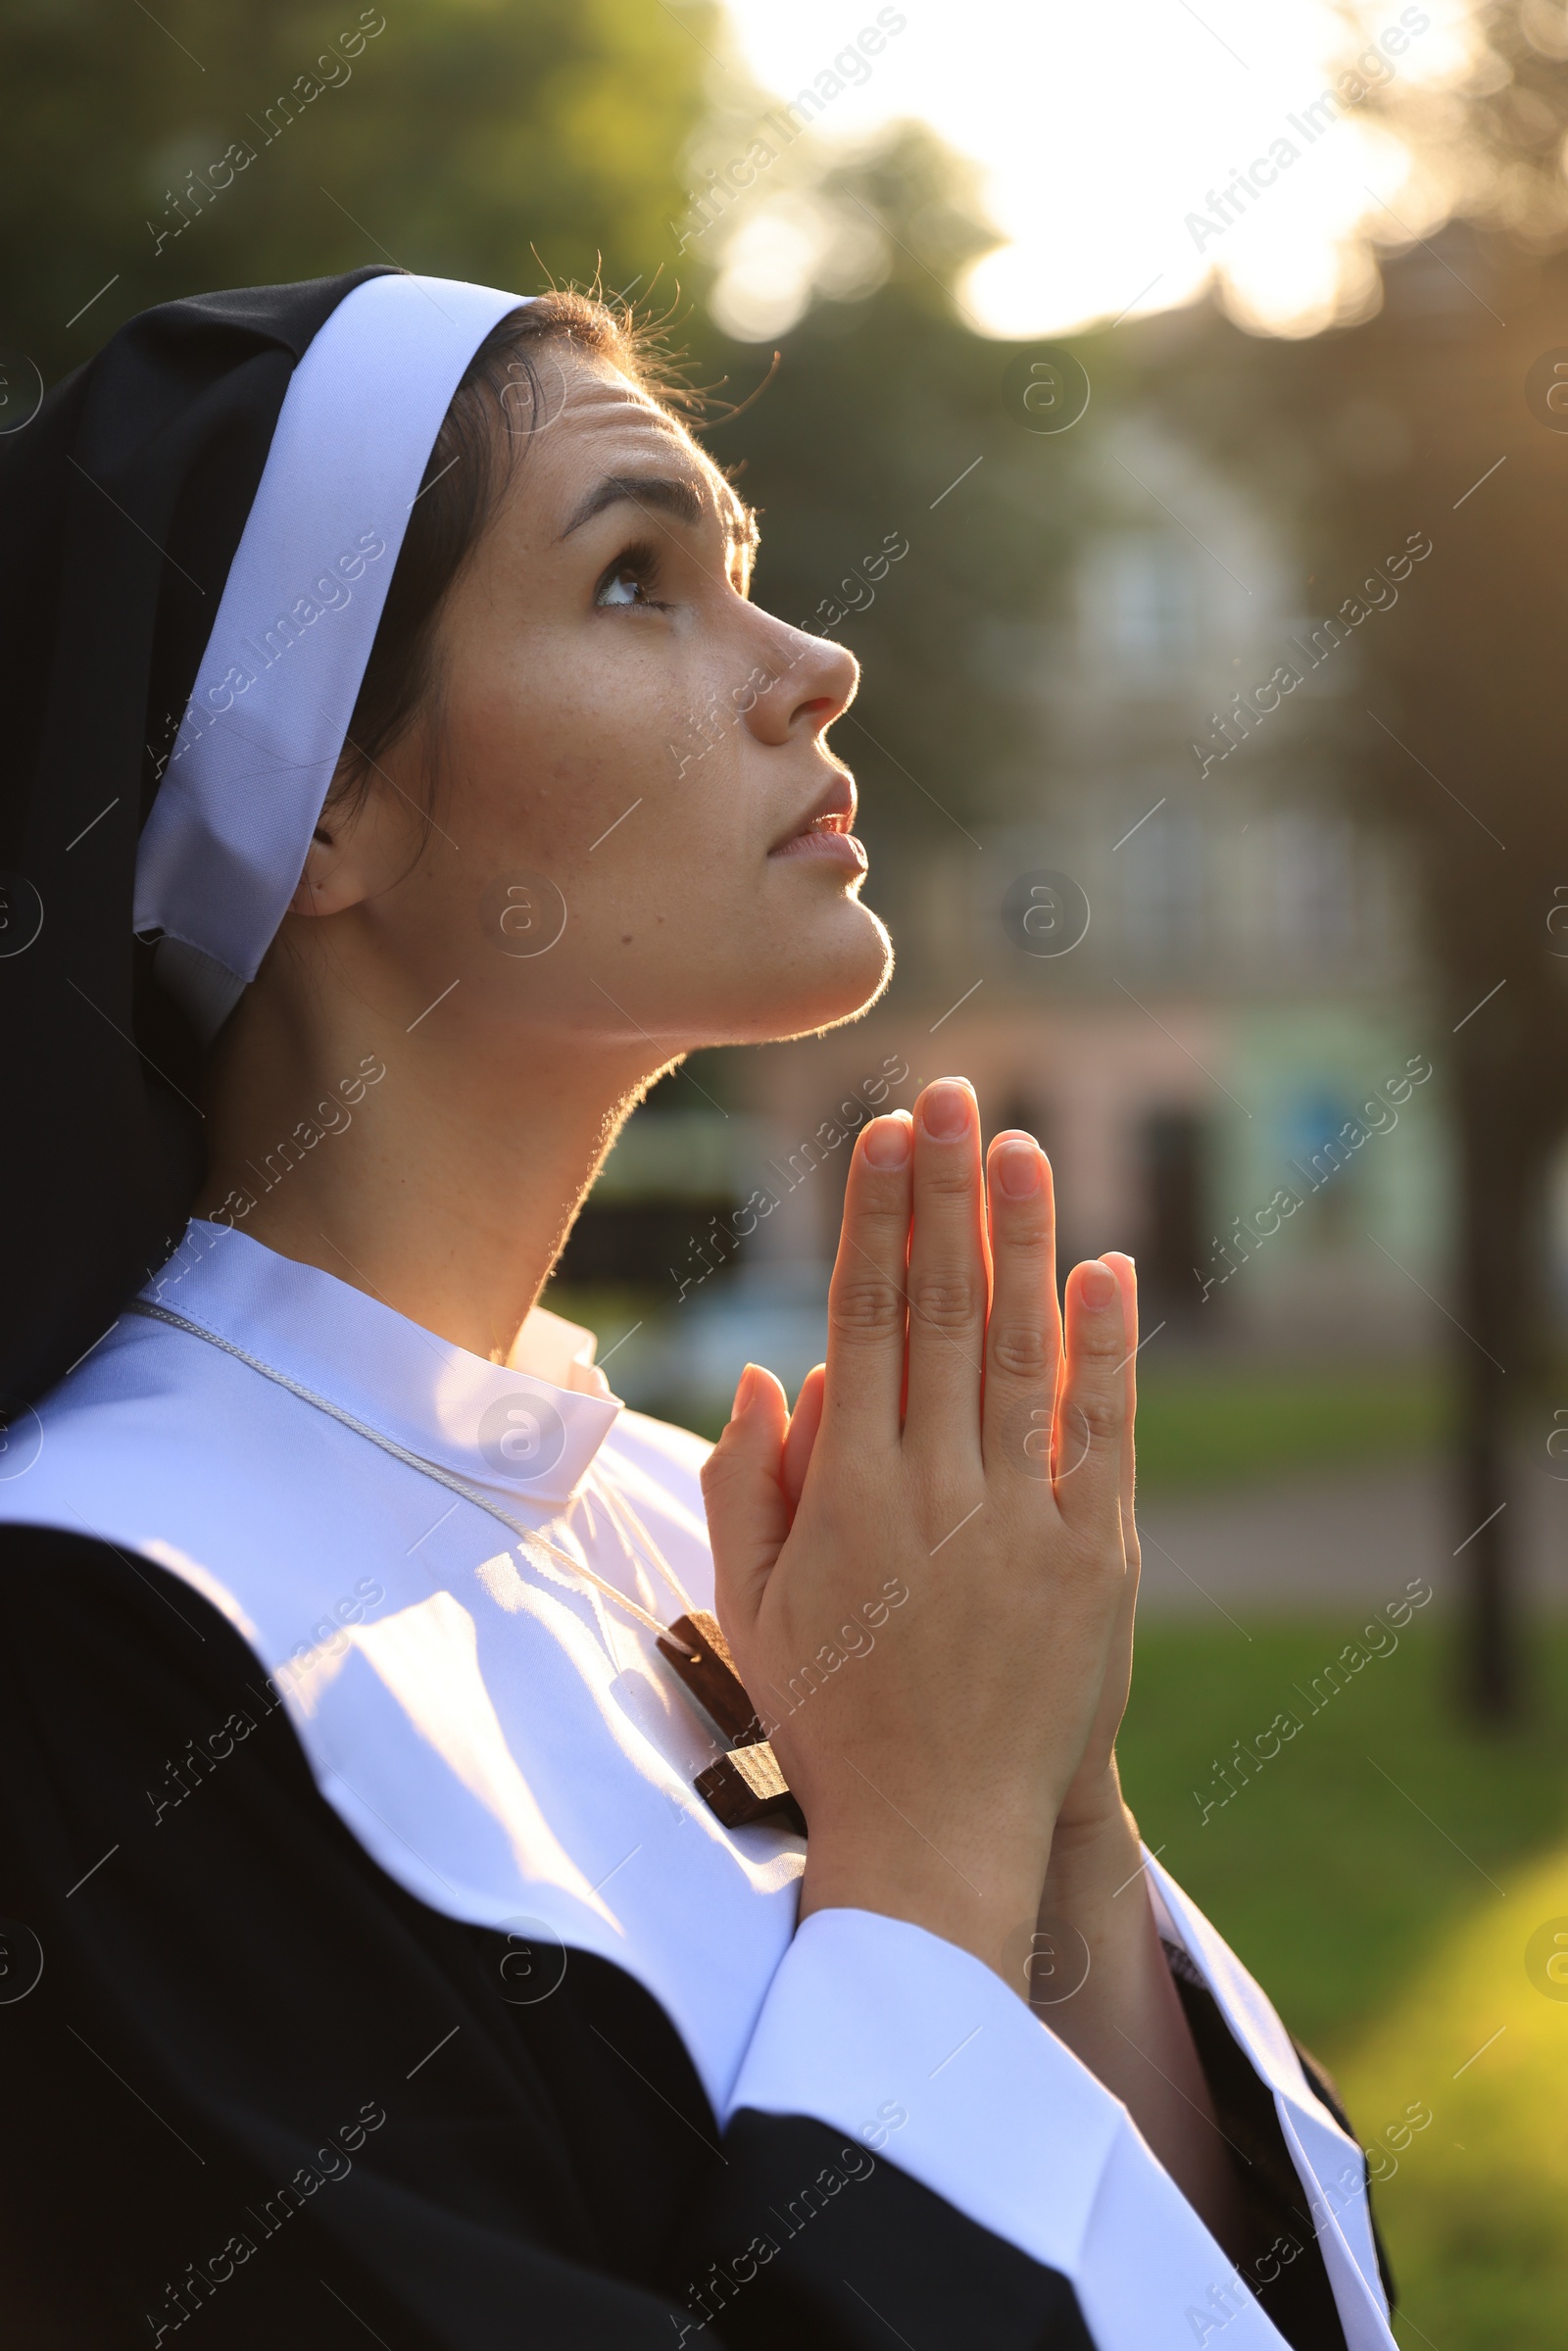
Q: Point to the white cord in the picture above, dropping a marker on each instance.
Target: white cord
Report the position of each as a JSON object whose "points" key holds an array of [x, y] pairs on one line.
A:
{"points": [[429, 1469]]}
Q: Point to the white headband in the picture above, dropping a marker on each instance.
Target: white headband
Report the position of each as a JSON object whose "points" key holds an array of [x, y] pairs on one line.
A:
{"points": [[224, 849]]}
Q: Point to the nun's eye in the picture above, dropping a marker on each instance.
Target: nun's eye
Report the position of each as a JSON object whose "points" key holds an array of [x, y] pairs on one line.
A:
{"points": [[631, 580]]}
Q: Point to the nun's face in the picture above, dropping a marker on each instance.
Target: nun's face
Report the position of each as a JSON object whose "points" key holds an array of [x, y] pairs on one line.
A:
{"points": [[644, 835]]}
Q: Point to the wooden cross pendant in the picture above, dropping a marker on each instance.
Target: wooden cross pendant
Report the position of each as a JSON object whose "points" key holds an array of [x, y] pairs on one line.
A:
{"points": [[748, 1784]]}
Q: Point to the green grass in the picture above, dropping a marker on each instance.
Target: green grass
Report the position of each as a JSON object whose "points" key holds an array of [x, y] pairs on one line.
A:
{"points": [[1387, 1913], [1217, 1424]]}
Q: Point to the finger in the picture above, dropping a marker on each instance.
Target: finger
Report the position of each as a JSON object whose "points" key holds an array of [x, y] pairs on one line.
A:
{"points": [[1023, 1333], [1093, 1409], [1119, 1671], [747, 1517], [805, 1420], [947, 1277], [1126, 1273], [866, 1305]]}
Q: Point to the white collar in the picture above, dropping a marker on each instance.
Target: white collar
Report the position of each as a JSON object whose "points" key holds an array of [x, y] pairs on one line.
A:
{"points": [[501, 1739], [525, 1431]]}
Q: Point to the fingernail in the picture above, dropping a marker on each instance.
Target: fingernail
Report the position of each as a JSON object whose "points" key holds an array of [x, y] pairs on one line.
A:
{"points": [[742, 1391], [1097, 1285], [946, 1109], [887, 1143], [1017, 1168]]}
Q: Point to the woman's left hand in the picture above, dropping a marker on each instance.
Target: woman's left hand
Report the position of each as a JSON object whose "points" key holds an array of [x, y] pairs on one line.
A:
{"points": [[1093, 1804], [1124, 2019]]}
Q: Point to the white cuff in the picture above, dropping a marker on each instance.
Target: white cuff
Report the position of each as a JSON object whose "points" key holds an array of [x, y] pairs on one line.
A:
{"points": [[912, 2048]]}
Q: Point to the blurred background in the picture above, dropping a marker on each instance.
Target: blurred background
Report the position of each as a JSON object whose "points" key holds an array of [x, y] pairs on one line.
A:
{"points": [[1171, 411]]}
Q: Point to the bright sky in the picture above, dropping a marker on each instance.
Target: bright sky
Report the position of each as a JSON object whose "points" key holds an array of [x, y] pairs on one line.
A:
{"points": [[1100, 130]]}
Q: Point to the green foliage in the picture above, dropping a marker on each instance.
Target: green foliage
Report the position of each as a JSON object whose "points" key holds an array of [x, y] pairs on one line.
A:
{"points": [[1393, 1952], [457, 140]]}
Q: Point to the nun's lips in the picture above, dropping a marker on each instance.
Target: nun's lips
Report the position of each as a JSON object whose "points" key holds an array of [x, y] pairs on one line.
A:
{"points": [[830, 841], [824, 832]]}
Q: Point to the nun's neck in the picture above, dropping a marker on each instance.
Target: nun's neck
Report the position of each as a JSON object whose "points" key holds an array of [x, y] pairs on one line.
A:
{"points": [[404, 1165]]}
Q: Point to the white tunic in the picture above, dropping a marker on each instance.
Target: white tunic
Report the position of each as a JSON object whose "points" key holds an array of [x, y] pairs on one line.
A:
{"points": [[510, 1748]]}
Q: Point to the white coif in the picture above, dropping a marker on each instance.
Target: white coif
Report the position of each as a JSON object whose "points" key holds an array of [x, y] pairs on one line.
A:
{"points": [[225, 843]]}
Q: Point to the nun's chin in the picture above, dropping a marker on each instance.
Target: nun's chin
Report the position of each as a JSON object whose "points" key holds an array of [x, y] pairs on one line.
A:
{"points": [[833, 968]]}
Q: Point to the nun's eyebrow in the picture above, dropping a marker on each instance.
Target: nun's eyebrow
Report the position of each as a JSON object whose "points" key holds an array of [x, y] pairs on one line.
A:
{"points": [[676, 494], [672, 493]]}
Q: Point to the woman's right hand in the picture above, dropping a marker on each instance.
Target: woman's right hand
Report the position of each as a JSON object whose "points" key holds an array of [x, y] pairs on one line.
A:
{"points": [[942, 1454]]}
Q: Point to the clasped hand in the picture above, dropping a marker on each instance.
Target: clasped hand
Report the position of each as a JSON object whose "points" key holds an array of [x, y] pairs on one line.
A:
{"points": [[960, 1443]]}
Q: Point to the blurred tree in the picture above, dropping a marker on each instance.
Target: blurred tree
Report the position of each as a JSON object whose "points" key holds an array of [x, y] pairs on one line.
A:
{"points": [[886, 421], [163, 150], [159, 154], [1437, 416], [210, 145]]}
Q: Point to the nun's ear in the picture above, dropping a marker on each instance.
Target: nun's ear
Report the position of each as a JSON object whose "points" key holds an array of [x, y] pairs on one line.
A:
{"points": [[360, 843], [334, 878], [336, 874], [342, 858]]}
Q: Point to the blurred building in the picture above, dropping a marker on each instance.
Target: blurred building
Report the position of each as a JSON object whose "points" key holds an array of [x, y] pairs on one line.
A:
{"points": [[1179, 958]]}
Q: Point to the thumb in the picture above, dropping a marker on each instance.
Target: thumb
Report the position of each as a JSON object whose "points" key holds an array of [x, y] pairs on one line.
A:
{"points": [[748, 1516]]}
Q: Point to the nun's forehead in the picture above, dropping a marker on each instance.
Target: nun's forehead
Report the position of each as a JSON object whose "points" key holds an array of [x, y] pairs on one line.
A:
{"points": [[606, 421]]}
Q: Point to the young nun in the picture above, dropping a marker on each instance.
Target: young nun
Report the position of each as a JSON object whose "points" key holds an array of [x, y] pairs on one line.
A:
{"points": [[410, 1926]]}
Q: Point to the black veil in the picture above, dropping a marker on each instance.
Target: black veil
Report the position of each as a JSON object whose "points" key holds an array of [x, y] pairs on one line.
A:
{"points": [[121, 505]]}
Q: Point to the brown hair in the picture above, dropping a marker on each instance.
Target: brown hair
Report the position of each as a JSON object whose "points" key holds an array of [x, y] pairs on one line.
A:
{"points": [[500, 403]]}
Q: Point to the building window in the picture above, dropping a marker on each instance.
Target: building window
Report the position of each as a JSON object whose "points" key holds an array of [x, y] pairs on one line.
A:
{"points": [[1314, 883], [1163, 871], [1141, 609]]}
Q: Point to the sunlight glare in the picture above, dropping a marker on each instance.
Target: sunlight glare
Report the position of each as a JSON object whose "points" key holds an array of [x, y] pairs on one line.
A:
{"points": [[1110, 149]]}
